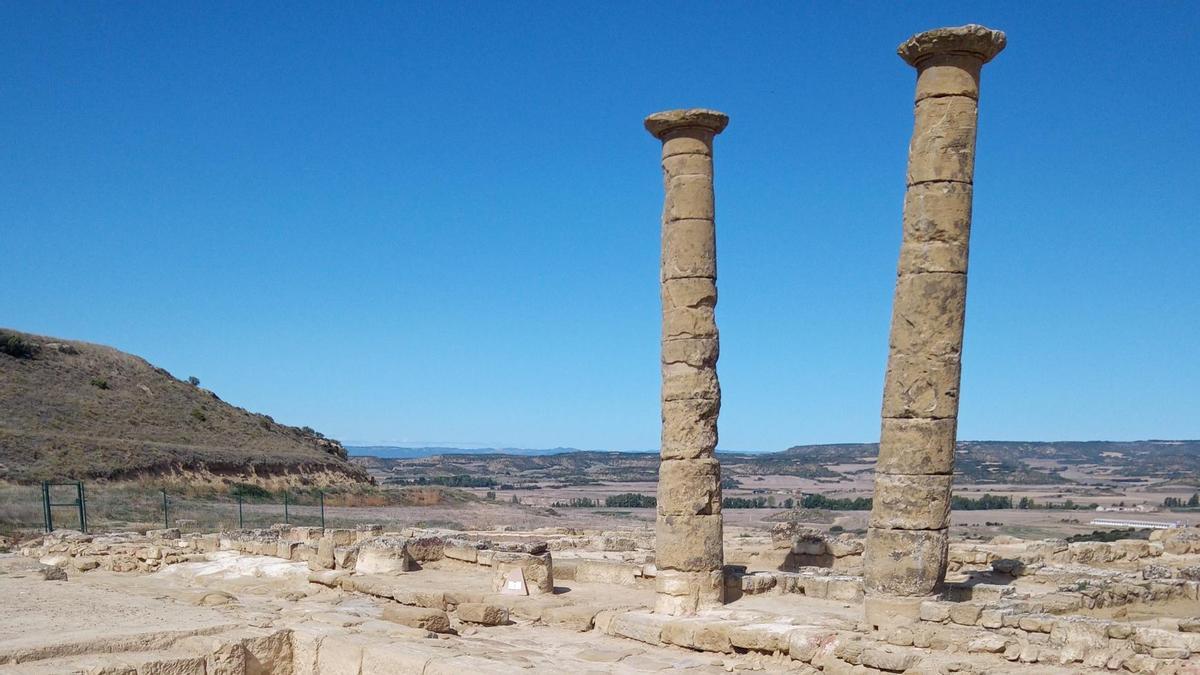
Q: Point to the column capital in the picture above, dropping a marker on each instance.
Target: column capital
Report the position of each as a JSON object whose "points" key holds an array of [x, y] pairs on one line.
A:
{"points": [[661, 123], [971, 40]]}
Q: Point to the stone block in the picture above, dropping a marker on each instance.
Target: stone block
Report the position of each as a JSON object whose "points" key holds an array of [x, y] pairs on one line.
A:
{"points": [[330, 578], [537, 569], [948, 74], [992, 618], [305, 534], [682, 593], [909, 563], [943, 142], [889, 660], [699, 634], [916, 446], [433, 620], [689, 426], [464, 553], [932, 257], [606, 572], [911, 502], [698, 352], [378, 585], [689, 249], [805, 642], [888, 612], [844, 588], [571, 617], [681, 381], [687, 140], [987, 644], [920, 385], [690, 197], [426, 548], [760, 582], [933, 610], [384, 555], [341, 537], [689, 543], [938, 213], [428, 599], [687, 305], [639, 625], [927, 314], [345, 557], [1036, 623], [965, 613], [761, 637], [482, 614], [337, 654], [324, 559], [689, 487], [686, 165]]}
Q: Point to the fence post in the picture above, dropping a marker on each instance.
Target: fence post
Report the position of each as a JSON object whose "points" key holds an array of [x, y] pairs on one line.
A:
{"points": [[47, 519], [241, 525], [82, 508], [285, 505], [166, 517], [322, 494]]}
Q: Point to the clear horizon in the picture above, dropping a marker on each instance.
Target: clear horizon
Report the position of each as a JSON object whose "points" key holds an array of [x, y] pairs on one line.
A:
{"points": [[442, 221]]}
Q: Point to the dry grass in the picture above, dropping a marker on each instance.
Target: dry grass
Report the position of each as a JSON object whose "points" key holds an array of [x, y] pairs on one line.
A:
{"points": [[58, 423]]}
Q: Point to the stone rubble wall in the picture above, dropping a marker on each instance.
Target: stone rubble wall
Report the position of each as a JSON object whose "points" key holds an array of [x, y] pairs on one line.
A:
{"points": [[1021, 632]]}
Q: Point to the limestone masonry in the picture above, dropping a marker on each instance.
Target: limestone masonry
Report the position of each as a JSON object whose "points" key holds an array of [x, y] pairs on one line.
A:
{"points": [[689, 532], [907, 541]]}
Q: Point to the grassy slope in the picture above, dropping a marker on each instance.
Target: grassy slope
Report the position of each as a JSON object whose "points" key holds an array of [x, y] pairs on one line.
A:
{"points": [[55, 422]]}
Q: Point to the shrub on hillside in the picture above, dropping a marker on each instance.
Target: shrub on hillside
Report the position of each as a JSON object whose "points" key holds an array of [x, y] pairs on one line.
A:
{"points": [[17, 346]]}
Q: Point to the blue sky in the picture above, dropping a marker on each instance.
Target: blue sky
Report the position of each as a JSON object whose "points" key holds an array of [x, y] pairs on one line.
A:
{"points": [[439, 222]]}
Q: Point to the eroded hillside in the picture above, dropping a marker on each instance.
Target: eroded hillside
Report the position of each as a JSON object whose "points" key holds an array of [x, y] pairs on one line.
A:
{"points": [[77, 410]]}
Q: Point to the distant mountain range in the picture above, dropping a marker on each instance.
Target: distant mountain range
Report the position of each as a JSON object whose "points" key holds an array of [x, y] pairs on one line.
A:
{"points": [[398, 452], [1010, 462]]}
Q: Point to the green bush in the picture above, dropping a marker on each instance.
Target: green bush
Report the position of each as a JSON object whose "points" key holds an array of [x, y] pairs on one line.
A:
{"points": [[17, 346], [99, 383], [199, 415], [249, 491]]}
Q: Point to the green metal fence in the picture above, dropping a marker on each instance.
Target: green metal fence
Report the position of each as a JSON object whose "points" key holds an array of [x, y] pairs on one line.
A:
{"points": [[103, 507]]}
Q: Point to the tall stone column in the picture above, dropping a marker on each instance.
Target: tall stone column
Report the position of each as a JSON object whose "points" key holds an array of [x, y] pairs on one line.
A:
{"points": [[688, 547], [905, 558]]}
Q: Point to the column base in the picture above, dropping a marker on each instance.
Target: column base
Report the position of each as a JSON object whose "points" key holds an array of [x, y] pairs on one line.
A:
{"points": [[684, 593], [891, 611]]}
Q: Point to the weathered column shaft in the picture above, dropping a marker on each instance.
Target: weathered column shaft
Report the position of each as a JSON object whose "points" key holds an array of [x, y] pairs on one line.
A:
{"points": [[688, 547], [907, 536]]}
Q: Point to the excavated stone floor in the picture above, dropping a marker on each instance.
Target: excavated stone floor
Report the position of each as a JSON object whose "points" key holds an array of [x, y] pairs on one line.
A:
{"points": [[301, 601]]}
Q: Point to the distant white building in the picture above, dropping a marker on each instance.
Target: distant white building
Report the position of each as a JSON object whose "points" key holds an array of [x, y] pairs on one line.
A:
{"points": [[1143, 524]]}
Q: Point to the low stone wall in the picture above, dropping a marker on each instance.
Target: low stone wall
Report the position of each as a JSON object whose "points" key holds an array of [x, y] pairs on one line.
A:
{"points": [[1022, 632]]}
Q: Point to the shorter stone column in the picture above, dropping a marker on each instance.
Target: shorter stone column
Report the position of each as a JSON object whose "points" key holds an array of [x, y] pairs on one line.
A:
{"points": [[688, 544]]}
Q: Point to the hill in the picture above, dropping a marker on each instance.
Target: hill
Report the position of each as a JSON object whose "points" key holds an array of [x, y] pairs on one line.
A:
{"points": [[77, 410]]}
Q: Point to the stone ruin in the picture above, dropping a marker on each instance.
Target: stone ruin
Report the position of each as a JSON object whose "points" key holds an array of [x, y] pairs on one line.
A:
{"points": [[908, 536], [903, 599]]}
